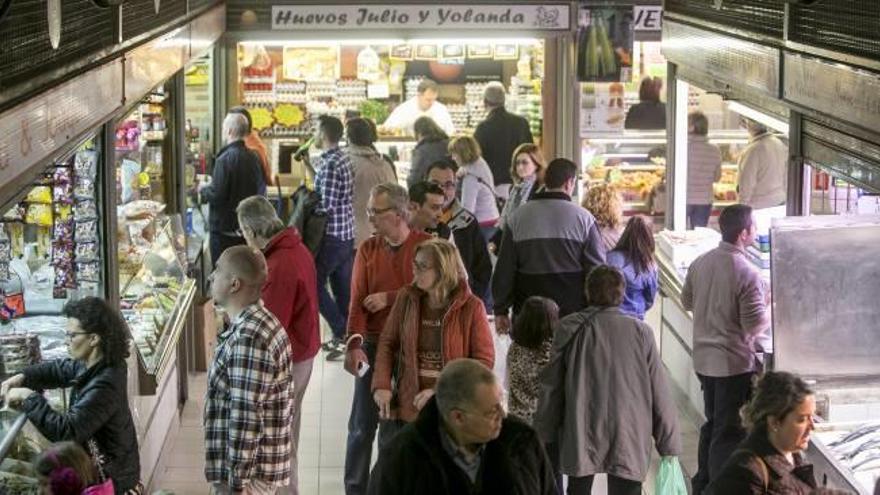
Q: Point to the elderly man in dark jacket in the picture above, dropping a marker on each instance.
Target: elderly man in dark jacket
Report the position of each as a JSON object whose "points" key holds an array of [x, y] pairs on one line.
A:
{"points": [[237, 175], [499, 134], [463, 443]]}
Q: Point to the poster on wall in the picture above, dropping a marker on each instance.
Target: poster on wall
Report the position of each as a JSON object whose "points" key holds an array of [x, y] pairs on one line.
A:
{"points": [[605, 44], [311, 63], [602, 108]]}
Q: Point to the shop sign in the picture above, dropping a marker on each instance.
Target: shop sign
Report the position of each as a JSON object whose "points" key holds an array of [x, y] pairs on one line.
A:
{"points": [[844, 92], [32, 132], [735, 61], [648, 22], [150, 64], [534, 17]]}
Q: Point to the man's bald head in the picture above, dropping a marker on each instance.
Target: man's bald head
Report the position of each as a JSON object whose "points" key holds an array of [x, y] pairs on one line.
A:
{"points": [[246, 264]]}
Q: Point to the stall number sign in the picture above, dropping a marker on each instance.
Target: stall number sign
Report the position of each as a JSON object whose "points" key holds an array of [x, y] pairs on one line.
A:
{"points": [[510, 16], [647, 18]]}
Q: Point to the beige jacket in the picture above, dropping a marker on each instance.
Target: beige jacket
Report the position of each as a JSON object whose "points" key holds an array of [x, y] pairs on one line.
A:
{"points": [[763, 172], [727, 296], [368, 169]]}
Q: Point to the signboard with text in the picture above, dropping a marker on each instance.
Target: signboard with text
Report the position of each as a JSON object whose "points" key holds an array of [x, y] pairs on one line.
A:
{"points": [[648, 22], [528, 17]]}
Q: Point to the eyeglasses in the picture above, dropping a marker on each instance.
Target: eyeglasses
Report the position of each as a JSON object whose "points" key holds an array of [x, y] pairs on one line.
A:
{"points": [[374, 212], [421, 267], [496, 412], [445, 185], [71, 335]]}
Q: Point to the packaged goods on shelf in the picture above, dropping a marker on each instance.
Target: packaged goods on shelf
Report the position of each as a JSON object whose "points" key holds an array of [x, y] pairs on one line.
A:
{"points": [[683, 247]]}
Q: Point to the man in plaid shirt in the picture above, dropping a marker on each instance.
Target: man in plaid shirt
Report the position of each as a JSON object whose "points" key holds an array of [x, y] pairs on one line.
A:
{"points": [[250, 391], [333, 181]]}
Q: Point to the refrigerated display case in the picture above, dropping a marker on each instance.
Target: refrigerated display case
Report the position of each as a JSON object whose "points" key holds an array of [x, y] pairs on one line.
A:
{"points": [[832, 341]]}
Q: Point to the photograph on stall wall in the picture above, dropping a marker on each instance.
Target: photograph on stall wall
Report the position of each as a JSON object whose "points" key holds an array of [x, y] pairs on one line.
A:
{"points": [[605, 44]]}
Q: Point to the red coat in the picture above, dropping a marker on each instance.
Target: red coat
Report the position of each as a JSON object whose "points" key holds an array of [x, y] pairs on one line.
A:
{"points": [[465, 331], [291, 292]]}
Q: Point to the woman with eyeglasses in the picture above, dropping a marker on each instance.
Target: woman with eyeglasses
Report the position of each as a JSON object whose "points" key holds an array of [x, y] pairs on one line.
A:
{"points": [[98, 416], [433, 321], [527, 170]]}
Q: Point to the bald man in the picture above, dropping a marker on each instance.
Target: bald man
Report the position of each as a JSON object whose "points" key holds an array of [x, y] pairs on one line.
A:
{"points": [[250, 390]]}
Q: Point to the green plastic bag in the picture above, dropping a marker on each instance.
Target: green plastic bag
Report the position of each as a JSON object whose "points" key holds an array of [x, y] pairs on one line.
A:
{"points": [[670, 480]]}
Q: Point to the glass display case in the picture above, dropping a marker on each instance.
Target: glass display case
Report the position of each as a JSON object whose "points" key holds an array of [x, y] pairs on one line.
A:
{"points": [[20, 444], [154, 290]]}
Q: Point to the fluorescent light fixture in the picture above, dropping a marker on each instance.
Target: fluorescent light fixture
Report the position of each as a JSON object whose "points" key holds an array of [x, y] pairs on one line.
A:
{"points": [[762, 118], [386, 41]]}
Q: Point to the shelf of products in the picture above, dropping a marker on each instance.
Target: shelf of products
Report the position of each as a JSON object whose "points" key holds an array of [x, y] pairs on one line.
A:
{"points": [[154, 290], [140, 139]]}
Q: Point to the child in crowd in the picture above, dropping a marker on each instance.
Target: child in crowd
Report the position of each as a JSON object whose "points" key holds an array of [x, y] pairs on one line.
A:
{"points": [[634, 256], [530, 351], [64, 468]]}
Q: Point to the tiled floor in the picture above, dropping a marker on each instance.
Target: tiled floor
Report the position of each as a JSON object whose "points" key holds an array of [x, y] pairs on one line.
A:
{"points": [[322, 447]]}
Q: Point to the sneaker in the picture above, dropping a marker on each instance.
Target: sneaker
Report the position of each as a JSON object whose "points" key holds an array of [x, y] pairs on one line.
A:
{"points": [[331, 344], [335, 355]]}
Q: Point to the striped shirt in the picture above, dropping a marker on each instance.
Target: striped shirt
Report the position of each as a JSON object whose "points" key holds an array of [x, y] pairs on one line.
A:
{"points": [[249, 403], [334, 182]]}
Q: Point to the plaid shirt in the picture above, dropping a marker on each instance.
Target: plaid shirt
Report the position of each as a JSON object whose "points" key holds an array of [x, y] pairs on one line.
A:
{"points": [[249, 403], [333, 181]]}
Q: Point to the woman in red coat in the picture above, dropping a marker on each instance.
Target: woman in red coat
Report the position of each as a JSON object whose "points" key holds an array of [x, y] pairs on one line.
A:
{"points": [[433, 321]]}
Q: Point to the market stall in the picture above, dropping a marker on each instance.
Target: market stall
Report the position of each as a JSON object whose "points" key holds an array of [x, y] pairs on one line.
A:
{"points": [[368, 60]]}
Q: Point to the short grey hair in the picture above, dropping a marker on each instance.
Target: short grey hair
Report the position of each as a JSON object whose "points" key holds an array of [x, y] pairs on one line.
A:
{"points": [[397, 195], [235, 125], [258, 215], [494, 94], [458, 382]]}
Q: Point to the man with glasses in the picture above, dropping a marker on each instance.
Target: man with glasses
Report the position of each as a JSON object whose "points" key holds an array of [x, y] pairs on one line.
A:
{"points": [[463, 442], [382, 266], [431, 203]]}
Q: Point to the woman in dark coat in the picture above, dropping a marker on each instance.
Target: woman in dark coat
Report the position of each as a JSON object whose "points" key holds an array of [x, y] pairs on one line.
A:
{"points": [[98, 418], [779, 419], [431, 147]]}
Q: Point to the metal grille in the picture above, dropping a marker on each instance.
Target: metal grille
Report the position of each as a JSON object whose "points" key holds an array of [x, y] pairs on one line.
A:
{"points": [[85, 29], [765, 17], [139, 16], [198, 4], [846, 26]]}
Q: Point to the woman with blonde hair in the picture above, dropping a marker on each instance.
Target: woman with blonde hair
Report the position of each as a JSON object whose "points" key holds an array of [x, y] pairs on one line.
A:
{"points": [[434, 320], [477, 185], [527, 170], [604, 202]]}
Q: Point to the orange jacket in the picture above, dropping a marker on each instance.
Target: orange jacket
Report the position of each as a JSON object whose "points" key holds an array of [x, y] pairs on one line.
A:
{"points": [[465, 332], [255, 144]]}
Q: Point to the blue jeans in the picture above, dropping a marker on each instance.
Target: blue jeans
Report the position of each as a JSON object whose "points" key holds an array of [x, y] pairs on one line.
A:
{"points": [[362, 425], [334, 262], [698, 215]]}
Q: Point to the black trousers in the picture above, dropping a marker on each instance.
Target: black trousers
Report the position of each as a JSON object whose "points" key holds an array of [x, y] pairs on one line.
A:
{"points": [[723, 397], [583, 485]]}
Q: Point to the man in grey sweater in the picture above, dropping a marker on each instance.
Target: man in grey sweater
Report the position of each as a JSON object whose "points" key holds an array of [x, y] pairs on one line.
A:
{"points": [[730, 304]]}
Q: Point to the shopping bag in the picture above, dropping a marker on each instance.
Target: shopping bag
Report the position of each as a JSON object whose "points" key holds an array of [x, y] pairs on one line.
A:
{"points": [[670, 479]]}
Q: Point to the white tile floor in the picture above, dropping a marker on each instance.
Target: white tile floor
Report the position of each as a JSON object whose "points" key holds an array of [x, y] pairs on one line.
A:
{"points": [[322, 443]]}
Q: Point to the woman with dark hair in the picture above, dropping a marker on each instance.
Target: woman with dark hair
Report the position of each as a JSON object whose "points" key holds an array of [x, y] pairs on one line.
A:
{"points": [[431, 146], [634, 256], [368, 169], [649, 113], [530, 351], [779, 418], [98, 416]]}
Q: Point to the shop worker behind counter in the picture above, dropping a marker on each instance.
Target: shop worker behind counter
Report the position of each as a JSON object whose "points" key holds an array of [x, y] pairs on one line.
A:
{"points": [[463, 443], [424, 103], [98, 416], [237, 175], [729, 301], [499, 135], [249, 401]]}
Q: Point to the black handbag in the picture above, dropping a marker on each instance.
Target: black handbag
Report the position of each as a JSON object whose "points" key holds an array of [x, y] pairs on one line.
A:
{"points": [[307, 217]]}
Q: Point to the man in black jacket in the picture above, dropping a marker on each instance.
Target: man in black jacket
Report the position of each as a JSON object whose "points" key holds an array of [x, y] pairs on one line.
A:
{"points": [[499, 134], [462, 226], [237, 175], [462, 443]]}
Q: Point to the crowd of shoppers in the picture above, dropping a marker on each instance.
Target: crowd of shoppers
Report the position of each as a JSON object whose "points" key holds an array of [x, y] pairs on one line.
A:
{"points": [[412, 282]]}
